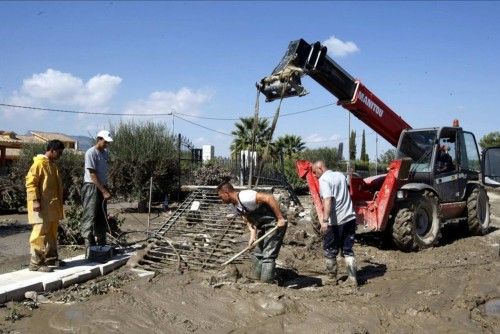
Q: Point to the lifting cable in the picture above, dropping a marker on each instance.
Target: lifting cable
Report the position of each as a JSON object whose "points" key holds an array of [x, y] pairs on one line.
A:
{"points": [[271, 130], [254, 133]]}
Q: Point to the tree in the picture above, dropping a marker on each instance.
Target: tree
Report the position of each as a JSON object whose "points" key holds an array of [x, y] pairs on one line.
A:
{"points": [[364, 156], [490, 140], [388, 156], [244, 134], [290, 145], [139, 152], [328, 154], [352, 145]]}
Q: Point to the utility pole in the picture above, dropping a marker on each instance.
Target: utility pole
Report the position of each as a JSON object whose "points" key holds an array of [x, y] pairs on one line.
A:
{"points": [[349, 141], [172, 111], [376, 154]]}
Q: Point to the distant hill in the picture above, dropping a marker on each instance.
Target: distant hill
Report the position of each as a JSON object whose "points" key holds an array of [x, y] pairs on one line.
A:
{"points": [[84, 142]]}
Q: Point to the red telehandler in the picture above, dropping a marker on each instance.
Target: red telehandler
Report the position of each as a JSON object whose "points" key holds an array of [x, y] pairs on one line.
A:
{"points": [[438, 175]]}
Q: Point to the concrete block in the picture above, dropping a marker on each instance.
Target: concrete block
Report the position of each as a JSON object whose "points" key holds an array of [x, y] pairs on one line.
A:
{"points": [[51, 284], [143, 273], [16, 291], [113, 264], [80, 277]]}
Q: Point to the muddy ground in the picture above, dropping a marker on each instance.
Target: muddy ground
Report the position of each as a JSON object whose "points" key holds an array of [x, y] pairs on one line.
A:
{"points": [[452, 288]]}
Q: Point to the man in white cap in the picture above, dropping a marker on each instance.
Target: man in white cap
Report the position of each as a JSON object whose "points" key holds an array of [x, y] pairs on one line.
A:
{"points": [[95, 191]]}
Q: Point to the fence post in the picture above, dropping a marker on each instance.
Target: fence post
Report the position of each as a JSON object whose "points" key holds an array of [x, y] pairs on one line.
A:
{"points": [[150, 194], [179, 170]]}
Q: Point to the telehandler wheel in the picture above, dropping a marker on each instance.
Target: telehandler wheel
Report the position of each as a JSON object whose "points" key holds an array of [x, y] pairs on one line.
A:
{"points": [[478, 212], [416, 224]]}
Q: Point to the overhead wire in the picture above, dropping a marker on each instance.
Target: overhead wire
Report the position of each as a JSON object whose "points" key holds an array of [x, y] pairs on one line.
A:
{"points": [[268, 117], [202, 126], [154, 114], [82, 112], [176, 115]]}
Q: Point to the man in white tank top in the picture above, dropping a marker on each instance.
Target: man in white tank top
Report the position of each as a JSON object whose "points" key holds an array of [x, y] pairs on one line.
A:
{"points": [[261, 212]]}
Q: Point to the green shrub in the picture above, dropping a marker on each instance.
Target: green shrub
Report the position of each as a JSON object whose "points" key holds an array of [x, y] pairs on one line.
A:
{"points": [[13, 186], [291, 175], [69, 228], [140, 151], [13, 193]]}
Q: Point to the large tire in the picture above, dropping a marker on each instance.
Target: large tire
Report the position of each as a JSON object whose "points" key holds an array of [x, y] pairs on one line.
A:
{"points": [[478, 212], [416, 224]]}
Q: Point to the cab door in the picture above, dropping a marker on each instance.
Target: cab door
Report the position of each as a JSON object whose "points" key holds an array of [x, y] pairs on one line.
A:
{"points": [[490, 167], [446, 180], [469, 161]]}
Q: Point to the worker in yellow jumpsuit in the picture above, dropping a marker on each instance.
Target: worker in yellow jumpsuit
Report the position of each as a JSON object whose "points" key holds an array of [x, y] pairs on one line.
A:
{"points": [[45, 207]]}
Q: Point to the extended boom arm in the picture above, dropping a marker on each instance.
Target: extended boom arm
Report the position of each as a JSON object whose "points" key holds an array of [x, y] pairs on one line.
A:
{"points": [[303, 58]]}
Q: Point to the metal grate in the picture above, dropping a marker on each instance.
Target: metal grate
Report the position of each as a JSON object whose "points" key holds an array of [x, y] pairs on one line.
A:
{"points": [[201, 234]]}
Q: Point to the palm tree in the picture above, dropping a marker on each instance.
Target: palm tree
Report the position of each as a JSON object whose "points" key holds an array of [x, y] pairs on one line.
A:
{"points": [[290, 145], [244, 135]]}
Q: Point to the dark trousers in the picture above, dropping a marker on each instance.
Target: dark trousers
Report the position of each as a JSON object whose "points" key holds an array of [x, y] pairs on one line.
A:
{"points": [[339, 237], [269, 248], [94, 211]]}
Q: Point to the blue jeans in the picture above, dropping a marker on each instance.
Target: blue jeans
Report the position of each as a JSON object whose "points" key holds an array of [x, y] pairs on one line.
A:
{"points": [[339, 237]]}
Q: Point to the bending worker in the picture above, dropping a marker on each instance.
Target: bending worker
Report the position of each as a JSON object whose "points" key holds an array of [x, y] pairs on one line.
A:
{"points": [[261, 212]]}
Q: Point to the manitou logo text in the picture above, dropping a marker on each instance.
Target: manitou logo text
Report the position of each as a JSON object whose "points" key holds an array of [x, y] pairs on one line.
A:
{"points": [[370, 104]]}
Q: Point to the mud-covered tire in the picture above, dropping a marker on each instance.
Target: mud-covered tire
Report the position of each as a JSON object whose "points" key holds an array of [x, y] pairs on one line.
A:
{"points": [[478, 212], [416, 224]]}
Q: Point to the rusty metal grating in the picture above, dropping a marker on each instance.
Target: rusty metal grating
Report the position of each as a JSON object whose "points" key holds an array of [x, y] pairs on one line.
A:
{"points": [[201, 234]]}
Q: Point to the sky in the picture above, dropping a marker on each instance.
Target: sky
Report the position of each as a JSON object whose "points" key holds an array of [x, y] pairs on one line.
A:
{"points": [[431, 62]]}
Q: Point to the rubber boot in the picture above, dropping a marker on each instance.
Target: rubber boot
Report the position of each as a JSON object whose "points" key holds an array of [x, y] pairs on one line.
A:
{"points": [[268, 271], [350, 263], [101, 240], [88, 243], [257, 268], [331, 269]]}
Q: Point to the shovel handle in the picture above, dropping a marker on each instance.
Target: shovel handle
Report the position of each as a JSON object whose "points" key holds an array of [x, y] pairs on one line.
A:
{"points": [[268, 233]]}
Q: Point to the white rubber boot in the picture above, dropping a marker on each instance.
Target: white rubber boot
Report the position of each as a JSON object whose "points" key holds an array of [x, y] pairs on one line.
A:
{"points": [[350, 263]]}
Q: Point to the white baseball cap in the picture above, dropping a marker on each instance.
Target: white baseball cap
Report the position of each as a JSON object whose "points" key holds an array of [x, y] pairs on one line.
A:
{"points": [[104, 134]]}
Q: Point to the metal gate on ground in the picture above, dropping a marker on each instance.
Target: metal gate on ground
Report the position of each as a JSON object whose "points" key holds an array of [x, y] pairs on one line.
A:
{"points": [[201, 234]]}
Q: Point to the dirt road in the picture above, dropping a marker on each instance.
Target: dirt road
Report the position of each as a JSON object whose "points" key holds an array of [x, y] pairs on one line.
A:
{"points": [[451, 288]]}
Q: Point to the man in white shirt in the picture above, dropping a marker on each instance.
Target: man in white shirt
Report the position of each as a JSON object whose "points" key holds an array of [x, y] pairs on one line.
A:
{"points": [[338, 222], [261, 212], [95, 191]]}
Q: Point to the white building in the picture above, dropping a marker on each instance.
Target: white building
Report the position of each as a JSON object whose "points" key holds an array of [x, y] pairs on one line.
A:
{"points": [[208, 152]]}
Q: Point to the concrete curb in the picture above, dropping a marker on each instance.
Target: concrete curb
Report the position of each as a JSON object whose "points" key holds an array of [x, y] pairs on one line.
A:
{"points": [[77, 270]]}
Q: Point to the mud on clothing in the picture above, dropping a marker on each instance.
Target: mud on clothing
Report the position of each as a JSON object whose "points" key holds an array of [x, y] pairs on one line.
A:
{"points": [[339, 237], [342, 223], [263, 218], [94, 211], [43, 183], [93, 220], [334, 185]]}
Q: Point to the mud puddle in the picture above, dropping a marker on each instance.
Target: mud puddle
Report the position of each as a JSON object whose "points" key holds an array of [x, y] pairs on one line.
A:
{"points": [[451, 288]]}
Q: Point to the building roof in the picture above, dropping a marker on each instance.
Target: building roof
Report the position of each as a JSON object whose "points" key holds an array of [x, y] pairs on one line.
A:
{"points": [[46, 136], [12, 140], [9, 139]]}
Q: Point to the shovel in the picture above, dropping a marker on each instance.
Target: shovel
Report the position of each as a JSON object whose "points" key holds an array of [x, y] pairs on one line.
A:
{"points": [[268, 233]]}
